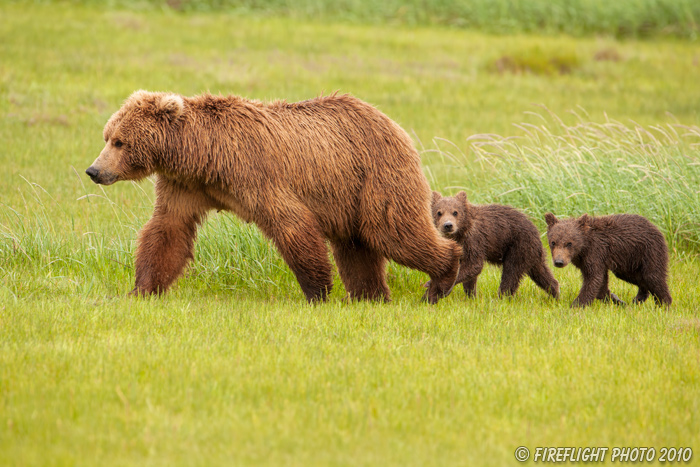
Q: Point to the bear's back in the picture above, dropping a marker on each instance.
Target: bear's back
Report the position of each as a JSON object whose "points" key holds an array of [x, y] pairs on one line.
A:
{"points": [[626, 228], [630, 240], [499, 228], [322, 132]]}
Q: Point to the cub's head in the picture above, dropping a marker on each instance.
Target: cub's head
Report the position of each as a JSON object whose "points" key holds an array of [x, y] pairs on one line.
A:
{"points": [[450, 214], [134, 137], [566, 237]]}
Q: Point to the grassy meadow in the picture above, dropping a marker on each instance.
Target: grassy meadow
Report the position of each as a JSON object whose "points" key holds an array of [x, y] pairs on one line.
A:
{"points": [[232, 366], [622, 18]]}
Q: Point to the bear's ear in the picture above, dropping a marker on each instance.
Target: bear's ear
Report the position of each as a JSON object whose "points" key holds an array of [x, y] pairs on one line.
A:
{"points": [[550, 219], [139, 96], [584, 222], [461, 197], [161, 105], [170, 106], [436, 197]]}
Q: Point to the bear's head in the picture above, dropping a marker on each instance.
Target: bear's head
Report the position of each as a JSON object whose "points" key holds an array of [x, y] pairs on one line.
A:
{"points": [[566, 237], [451, 214], [135, 137]]}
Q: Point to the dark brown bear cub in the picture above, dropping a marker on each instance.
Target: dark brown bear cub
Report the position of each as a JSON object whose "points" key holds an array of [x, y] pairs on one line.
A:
{"points": [[628, 245], [498, 234]]}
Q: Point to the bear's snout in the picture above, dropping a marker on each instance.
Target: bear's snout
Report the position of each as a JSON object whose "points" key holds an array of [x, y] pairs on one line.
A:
{"points": [[559, 263], [101, 177], [448, 226], [92, 173]]}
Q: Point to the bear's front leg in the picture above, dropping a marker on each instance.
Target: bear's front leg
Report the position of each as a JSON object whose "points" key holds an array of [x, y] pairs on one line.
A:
{"points": [[605, 295], [166, 242], [469, 270], [592, 282]]}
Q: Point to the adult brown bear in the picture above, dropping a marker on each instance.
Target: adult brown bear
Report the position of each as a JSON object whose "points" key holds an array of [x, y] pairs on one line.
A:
{"points": [[332, 168]]}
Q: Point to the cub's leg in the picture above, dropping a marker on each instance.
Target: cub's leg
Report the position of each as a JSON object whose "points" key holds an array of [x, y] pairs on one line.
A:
{"points": [[543, 277], [660, 292], [642, 295], [592, 282], [513, 272], [469, 286], [605, 294]]}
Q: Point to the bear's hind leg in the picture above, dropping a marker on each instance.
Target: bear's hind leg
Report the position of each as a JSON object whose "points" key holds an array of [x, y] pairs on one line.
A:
{"points": [[299, 240], [512, 274], [642, 295], [362, 270], [400, 228], [661, 294], [469, 286], [654, 278], [544, 279]]}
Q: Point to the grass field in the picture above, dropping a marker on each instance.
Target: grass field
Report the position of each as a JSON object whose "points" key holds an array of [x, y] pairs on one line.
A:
{"points": [[622, 18], [231, 366]]}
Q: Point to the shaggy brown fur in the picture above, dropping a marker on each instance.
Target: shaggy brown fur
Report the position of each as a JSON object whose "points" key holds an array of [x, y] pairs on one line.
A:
{"points": [[628, 245], [498, 234], [332, 168]]}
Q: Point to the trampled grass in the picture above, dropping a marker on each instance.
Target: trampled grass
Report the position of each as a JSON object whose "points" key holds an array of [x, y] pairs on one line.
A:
{"points": [[231, 366]]}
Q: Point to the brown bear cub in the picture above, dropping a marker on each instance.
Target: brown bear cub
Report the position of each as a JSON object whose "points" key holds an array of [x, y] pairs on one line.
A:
{"points": [[498, 234], [628, 245]]}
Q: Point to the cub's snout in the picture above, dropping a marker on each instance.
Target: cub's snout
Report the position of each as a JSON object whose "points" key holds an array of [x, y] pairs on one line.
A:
{"points": [[448, 227]]}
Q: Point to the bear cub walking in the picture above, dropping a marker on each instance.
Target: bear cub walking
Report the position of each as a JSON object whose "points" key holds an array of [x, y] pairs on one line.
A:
{"points": [[498, 234], [628, 245]]}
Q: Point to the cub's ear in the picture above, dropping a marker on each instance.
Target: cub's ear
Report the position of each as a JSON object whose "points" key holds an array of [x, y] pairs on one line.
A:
{"points": [[461, 197], [170, 106], [550, 219], [584, 222], [436, 197]]}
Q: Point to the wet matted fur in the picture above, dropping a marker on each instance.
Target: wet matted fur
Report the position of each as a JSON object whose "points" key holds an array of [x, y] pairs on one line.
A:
{"points": [[330, 169], [497, 234], [627, 244]]}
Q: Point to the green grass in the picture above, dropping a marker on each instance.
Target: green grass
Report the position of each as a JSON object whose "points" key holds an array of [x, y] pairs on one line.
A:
{"points": [[596, 168], [621, 18], [231, 366], [207, 380]]}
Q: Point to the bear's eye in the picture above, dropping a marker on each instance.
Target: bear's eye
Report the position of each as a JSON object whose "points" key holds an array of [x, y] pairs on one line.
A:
{"points": [[439, 213], [568, 245], [455, 213], [118, 143], [553, 243]]}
